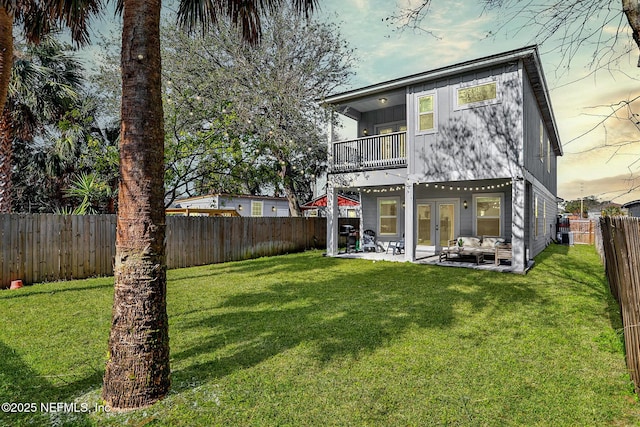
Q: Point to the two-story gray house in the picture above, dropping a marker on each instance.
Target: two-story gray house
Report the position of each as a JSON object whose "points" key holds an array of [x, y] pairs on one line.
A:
{"points": [[464, 150]]}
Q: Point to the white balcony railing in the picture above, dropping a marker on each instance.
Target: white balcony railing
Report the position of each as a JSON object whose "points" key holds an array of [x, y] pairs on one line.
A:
{"points": [[371, 152]]}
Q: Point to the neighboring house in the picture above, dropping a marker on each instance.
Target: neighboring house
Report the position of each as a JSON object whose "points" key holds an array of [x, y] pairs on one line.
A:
{"points": [[243, 205], [464, 150], [633, 208], [348, 207]]}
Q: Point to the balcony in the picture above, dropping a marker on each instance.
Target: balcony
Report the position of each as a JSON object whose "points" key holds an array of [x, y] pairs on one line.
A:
{"points": [[371, 152]]}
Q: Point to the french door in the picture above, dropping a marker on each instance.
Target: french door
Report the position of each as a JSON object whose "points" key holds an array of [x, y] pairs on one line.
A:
{"points": [[437, 223]]}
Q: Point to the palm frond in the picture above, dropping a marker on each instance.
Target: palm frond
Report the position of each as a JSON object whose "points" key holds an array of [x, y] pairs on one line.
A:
{"points": [[40, 17], [245, 14]]}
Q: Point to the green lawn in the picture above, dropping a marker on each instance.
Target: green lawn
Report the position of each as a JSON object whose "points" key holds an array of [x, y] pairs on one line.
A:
{"points": [[304, 340]]}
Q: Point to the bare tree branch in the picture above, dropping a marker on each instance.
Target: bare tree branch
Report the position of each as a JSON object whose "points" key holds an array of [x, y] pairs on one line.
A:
{"points": [[626, 105]]}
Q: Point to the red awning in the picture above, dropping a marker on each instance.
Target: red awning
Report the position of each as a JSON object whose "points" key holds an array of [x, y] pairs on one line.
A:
{"points": [[322, 202]]}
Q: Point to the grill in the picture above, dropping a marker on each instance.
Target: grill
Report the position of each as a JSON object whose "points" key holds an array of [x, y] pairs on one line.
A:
{"points": [[351, 236]]}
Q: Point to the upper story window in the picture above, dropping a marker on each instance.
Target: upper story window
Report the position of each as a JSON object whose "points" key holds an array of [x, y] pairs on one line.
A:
{"points": [[468, 96], [548, 155], [426, 106], [541, 149]]}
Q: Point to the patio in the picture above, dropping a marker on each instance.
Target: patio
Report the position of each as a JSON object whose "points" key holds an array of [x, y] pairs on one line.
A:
{"points": [[430, 258]]}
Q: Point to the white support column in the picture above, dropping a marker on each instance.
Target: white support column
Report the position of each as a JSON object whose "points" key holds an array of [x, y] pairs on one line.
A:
{"points": [[330, 140], [518, 243], [332, 220], [409, 221]]}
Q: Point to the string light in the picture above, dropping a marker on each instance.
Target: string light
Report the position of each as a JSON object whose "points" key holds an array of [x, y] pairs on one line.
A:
{"points": [[435, 186]]}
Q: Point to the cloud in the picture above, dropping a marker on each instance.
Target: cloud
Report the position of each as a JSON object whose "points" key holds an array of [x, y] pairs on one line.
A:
{"points": [[360, 4], [619, 189], [391, 52]]}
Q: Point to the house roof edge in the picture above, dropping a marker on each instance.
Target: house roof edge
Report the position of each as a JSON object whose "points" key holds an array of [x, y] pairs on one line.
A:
{"points": [[432, 74]]}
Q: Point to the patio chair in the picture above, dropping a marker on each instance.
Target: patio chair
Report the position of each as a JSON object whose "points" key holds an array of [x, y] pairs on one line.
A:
{"points": [[369, 243], [397, 246]]}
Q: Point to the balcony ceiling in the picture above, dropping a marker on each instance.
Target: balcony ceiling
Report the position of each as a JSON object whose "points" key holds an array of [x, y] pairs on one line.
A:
{"points": [[372, 102]]}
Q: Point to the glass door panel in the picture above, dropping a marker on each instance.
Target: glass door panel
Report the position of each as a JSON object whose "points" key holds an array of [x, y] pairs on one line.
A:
{"points": [[446, 223], [425, 225], [436, 223]]}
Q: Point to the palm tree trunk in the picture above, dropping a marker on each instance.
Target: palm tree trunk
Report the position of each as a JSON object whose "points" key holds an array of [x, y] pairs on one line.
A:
{"points": [[6, 140], [137, 372], [6, 53], [6, 161]]}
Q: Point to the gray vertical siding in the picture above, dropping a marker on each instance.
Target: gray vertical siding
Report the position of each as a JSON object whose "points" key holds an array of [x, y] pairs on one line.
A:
{"points": [[532, 162], [375, 118], [546, 226], [480, 142]]}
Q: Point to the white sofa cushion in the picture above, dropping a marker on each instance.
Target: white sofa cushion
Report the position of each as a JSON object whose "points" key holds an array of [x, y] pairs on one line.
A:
{"points": [[491, 242]]}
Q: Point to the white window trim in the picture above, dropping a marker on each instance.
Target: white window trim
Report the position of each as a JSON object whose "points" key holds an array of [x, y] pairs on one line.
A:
{"points": [[398, 213], [256, 203], [475, 208], [416, 112], [466, 85], [548, 155], [541, 148]]}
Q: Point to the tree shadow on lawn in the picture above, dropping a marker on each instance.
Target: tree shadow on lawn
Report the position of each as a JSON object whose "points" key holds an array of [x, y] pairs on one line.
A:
{"points": [[343, 313], [585, 274], [262, 265], [19, 384]]}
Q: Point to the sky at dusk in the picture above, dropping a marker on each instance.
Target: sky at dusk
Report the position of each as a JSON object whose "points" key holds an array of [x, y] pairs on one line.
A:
{"points": [[600, 159]]}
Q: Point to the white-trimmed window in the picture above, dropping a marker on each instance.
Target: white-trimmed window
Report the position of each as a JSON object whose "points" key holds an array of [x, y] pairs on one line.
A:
{"points": [[425, 112], [256, 208], [476, 94], [541, 148], [487, 210], [548, 155], [388, 216]]}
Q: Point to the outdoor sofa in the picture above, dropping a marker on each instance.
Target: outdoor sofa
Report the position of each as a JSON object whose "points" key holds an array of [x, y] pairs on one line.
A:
{"points": [[477, 247]]}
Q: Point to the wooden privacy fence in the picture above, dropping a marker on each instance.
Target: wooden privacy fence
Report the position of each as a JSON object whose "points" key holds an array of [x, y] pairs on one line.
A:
{"points": [[48, 247], [202, 240], [621, 245]]}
